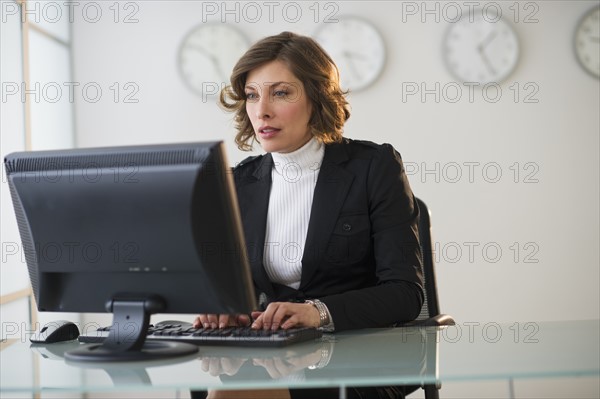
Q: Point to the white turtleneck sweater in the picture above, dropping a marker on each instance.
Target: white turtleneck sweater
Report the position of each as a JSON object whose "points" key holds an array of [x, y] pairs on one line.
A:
{"points": [[294, 178]]}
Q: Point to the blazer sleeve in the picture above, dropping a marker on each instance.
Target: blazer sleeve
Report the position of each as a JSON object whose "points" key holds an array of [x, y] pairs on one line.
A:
{"points": [[394, 214]]}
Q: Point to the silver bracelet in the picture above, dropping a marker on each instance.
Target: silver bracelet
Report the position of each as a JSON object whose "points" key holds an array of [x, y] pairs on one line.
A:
{"points": [[326, 351], [322, 309]]}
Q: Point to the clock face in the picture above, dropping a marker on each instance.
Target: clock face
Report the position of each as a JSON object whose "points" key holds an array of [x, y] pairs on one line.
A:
{"points": [[208, 54], [479, 50], [356, 47], [587, 42]]}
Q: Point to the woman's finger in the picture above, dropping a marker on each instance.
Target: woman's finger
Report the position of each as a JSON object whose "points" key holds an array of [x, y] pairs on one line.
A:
{"points": [[200, 321], [223, 320], [258, 322]]}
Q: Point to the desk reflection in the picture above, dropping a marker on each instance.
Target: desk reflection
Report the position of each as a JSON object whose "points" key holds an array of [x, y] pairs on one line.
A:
{"points": [[379, 356], [409, 354]]}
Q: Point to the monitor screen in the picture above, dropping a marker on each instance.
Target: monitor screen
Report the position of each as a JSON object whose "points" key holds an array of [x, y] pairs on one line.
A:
{"points": [[156, 225]]}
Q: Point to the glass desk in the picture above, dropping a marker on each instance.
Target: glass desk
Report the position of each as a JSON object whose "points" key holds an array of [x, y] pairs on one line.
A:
{"points": [[466, 352]]}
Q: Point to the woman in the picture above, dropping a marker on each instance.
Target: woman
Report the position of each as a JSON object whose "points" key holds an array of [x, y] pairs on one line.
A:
{"points": [[330, 223]]}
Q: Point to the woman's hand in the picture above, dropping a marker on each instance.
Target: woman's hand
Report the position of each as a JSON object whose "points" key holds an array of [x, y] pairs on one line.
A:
{"points": [[216, 366], [221, 320], [286, 315], [279, 367]]}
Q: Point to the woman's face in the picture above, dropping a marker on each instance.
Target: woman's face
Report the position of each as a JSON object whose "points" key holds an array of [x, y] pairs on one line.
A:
{"points": [[278, 108]]}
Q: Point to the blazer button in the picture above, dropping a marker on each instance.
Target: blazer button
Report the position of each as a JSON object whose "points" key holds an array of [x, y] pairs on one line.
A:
{"points": [[347, 227]]}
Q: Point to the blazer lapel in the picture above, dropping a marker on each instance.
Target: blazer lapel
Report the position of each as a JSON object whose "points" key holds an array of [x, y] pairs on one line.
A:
{"points": [[331, 190], [253, 196]]}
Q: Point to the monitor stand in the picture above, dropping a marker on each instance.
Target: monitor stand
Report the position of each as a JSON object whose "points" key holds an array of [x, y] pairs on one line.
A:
{"points": [[127, 336]]}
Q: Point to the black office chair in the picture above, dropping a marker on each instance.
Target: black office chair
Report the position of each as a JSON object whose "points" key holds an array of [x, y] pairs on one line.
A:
{"points": [[430, 312], [430, 315]]}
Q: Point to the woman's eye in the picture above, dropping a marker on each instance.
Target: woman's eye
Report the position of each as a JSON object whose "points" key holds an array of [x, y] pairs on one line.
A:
{"points": [[280, 93], [250, 96]]}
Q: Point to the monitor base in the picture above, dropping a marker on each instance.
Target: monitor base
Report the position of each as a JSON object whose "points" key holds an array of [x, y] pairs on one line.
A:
{"points": [[150, 351], [126, 341]]}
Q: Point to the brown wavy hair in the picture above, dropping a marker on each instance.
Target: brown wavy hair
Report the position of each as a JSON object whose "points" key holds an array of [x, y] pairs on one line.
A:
{"points": [[307, 60]]}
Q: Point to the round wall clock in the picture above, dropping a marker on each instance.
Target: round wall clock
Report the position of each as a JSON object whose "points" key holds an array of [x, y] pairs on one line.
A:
{"points": [[587, 41], [480, 50], [207, 55], [356, 47]]}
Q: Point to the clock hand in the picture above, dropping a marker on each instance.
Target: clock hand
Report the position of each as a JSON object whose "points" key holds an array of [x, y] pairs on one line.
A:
{"points": [[199, 49], [349, 54], [215, 61], [481, 50], [219, 69], [486, 42], [487, 63], [352, 66]]}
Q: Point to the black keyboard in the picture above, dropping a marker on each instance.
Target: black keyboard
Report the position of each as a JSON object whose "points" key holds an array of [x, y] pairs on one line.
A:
{"points": [[180, 331]]}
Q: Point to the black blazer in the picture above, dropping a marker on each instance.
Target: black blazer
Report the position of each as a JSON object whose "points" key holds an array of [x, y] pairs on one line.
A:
{"points": [[362, 253]]}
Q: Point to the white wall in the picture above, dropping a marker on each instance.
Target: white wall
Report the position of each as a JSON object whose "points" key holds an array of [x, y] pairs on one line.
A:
{"points": [[13, 273], [50, 126], [34, 56], [554, 219]]}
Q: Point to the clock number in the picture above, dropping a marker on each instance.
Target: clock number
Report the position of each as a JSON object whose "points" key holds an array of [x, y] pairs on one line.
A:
{"points": [[329, 17], [529, 18], [128, 99], [530, 176], [129, 18]]}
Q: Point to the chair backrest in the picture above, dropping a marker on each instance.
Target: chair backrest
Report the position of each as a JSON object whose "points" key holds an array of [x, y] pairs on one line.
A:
{"points": [[431, 306], [430, 312]]}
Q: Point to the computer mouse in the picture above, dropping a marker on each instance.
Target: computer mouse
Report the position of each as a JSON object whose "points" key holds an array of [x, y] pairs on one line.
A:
{"points": [[173, 324], [55, 331]]}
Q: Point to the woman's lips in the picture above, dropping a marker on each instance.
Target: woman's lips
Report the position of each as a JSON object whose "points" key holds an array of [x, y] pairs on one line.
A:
{"points": [[268, 132]]}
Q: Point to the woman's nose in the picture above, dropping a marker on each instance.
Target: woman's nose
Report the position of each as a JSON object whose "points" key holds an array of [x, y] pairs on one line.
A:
{"points": [[263, 109]]}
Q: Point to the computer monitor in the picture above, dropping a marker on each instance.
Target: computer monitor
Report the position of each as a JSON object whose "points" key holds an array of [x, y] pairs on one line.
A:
{"points": [[134, 231]]}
